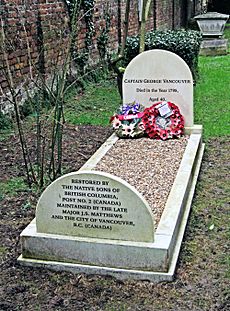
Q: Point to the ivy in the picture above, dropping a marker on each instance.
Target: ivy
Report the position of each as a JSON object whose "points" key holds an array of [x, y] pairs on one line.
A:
{"points": [[87, 7], [5, 121], [103, 38], [70, 7]]}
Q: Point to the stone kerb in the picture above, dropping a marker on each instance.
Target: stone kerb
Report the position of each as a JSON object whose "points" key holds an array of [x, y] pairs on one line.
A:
{"points": [[94, 204], [159, 75]]}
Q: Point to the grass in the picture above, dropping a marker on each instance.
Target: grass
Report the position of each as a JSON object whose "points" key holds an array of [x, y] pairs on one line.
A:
{"points": [[227, 31], [212, 93], [12, 187], [95, 107]]}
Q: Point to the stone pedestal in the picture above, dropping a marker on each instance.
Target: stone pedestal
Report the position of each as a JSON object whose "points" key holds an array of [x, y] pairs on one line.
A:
{"points": [[214, 47]]}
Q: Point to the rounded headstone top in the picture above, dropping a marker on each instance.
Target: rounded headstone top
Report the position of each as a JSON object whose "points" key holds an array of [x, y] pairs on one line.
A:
{"points": [[159, 75], [96, 205]]}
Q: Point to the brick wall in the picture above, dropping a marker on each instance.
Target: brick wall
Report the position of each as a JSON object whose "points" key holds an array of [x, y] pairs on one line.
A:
{"points": [[37, 32]]}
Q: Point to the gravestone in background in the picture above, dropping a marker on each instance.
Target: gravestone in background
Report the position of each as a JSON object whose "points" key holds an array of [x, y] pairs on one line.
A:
{"points": [[94, 204], [159, 75]]}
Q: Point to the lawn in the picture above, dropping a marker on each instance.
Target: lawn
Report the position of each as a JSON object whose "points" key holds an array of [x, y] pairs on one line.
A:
{"points": [[95, 107], [212, 95]]}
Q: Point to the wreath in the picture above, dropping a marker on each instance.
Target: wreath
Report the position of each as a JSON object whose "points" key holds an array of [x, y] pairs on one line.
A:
{"points": [[127, 122], [163, 120]]}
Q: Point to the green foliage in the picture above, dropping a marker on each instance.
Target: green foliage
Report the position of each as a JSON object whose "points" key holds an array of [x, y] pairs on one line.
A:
{"points": [[70, 6], [5, 121], [95, 107], [227, 35], [227, 31], [27, 205], [26, 109], [185, 43], [212, 95], [88, 6], [80, 60], [85, 5], [103, 38], [193, 25], [74, 8], [12, 186]]}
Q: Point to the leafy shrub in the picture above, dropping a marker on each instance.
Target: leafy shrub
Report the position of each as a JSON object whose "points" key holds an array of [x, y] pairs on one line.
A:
{"points": [[192, 24], [5, 121], [185, 43]]}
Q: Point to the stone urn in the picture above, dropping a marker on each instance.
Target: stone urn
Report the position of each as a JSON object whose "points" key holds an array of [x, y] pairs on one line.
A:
{"points": [[212, 24]]}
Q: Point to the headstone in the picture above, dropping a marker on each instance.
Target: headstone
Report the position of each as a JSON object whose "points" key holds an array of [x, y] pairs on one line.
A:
{"points": [[159, 75], [94, 204]]}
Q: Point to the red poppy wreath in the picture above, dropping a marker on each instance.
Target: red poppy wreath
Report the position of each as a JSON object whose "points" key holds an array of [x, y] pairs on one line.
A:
{"points": [[163, 120]]}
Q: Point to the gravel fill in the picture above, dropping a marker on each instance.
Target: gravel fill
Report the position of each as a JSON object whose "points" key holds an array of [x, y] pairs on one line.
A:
{"points": [[148, 165]]}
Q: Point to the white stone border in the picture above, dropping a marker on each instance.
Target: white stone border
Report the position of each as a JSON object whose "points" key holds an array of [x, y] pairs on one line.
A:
{"points": [[99, 154], [169, 233]]}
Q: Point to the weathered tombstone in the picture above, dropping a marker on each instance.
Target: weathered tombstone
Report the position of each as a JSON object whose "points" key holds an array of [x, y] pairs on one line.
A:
{"points": [[94, 204], [93, 222], [159, 75], [212, 25], [214, 47]]}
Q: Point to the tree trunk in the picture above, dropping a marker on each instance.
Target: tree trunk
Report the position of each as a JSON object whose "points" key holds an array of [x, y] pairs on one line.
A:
{"points": [[144, 17]]}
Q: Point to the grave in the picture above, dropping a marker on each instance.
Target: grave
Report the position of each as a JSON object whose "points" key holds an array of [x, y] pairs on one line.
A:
{"points": [[94, 222], [211, 25]]}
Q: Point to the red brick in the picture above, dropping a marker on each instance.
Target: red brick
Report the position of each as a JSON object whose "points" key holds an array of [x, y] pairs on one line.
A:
{"points": [[53, 17]]}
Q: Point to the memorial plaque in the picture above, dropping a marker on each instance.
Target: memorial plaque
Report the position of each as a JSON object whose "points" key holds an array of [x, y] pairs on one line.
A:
{"points": [[94, 204], [159, 75]]}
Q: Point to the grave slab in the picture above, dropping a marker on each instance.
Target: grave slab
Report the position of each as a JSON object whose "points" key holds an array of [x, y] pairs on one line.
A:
{"points": [[119, 273], [123, 254], [154, 261]]}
